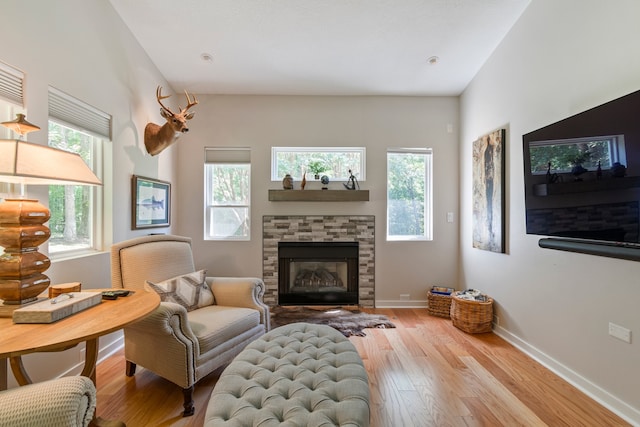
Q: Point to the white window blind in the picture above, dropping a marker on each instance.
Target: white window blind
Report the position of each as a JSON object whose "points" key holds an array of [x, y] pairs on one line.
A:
{"points": [[227, 155], [74, 112], [11, 84]]}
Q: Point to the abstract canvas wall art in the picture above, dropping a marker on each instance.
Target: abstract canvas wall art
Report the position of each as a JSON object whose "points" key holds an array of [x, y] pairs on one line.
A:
{"points": [[488, 192]]}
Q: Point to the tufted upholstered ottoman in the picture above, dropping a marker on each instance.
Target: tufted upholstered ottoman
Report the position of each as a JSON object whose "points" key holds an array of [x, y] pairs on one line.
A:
{"points": [[295, 375]]}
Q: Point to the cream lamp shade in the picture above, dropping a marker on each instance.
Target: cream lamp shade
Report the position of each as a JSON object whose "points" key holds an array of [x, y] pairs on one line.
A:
{"points": [[23, 162]]}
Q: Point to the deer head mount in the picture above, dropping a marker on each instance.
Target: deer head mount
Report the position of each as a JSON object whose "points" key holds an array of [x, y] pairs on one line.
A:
{"points": [[157, 138]]}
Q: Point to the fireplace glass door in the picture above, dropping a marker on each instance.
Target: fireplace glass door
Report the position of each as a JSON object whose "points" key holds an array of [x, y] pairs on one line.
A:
{"points": [[317, 273]]}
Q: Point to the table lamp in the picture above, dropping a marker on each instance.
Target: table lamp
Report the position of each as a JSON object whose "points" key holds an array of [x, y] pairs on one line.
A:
{"points": [[22, 220]]}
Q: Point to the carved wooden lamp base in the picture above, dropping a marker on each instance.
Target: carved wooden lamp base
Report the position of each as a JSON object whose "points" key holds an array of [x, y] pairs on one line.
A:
{"points": [[21, 265]]}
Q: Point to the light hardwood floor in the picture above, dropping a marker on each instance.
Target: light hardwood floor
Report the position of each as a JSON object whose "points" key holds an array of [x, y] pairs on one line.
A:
{"points": [[425, 372]]}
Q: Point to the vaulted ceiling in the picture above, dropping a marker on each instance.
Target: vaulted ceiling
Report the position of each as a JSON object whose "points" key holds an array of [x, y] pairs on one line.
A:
{"points": [[320, 47]]}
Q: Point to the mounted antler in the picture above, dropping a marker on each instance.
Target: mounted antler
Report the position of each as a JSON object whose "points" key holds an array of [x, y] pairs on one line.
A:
{"points": [[157, 138]]}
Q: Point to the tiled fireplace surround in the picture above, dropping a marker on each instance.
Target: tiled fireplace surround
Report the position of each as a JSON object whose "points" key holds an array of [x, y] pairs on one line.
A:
{"points": [[319, 228]]}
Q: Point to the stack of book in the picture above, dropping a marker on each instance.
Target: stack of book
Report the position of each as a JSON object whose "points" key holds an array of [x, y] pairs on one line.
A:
{"points": [[441, 290]]}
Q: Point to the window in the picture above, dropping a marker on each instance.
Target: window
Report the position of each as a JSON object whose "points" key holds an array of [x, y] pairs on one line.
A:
{"points": [[335, 162], [409, 194], [227, 194], [562, 155], [76, 210]]}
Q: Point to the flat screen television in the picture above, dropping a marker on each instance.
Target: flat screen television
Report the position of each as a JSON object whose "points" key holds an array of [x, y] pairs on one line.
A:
{"points": [[582, 176]]}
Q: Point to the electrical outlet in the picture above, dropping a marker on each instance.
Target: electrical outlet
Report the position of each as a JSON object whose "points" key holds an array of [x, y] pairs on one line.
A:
{"points": [[449, 216], [620, 332], [405, 297]]}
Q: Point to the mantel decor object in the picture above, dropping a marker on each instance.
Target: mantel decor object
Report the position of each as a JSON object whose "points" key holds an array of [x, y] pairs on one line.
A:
{"points": [[287, 182], [352, 183], [325, 182], [22, 220]]}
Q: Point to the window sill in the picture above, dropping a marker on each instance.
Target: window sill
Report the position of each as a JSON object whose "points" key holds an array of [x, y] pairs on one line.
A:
{"points": [[71, 255]]}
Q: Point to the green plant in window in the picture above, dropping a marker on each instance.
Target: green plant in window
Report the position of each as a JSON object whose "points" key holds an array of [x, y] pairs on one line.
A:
{"points": [[316, 167]]}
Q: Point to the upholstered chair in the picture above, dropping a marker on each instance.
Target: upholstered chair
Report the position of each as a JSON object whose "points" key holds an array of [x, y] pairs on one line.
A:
{"points": [[62, 402], [202, 323]]}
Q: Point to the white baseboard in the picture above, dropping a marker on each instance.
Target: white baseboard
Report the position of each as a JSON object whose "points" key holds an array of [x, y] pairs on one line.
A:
{"points": [[103, 353], [606, 399], [401, 303]]}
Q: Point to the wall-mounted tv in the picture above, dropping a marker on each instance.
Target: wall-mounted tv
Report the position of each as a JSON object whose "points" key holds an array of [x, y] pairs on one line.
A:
{"points": [[582, 175]]}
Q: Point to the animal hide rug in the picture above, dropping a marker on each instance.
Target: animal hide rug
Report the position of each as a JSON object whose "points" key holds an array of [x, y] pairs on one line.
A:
{"points": [[346, 321]]}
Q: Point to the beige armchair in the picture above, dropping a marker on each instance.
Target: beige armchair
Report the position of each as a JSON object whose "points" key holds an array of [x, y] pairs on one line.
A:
{"points": [[184, 344], [62, 402]]}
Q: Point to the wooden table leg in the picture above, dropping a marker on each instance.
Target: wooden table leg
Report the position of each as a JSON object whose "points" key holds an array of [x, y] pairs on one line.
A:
{"points": [[89, 370], [90, 362], [90, 359], [18, 371], [3, 374]]}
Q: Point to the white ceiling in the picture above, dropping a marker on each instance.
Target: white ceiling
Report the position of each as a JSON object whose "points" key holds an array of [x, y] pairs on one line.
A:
{"points": [[319, 47]]}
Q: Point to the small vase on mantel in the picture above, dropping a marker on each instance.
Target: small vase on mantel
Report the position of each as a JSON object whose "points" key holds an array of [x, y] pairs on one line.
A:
{"points": [[303, 183], [287, 182]]}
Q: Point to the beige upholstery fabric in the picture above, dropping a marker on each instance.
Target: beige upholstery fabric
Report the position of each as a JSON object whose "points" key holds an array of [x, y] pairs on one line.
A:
{"points": [[296, 375], [182, 346], [137, 260], [63, 402], [216, 325]]}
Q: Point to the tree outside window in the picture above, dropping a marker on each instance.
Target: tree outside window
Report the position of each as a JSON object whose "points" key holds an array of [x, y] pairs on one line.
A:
{"points": [[71, 206], [227, 215], [335, 162], [409, 195]]}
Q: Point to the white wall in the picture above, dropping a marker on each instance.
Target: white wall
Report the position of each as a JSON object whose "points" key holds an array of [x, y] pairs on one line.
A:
{"points": [[376, 123], [84, 49], [559, 59]]}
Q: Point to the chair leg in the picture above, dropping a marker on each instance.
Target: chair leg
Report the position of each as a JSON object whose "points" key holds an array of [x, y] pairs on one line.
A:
{"points": [[130, 369], [188, 402]]}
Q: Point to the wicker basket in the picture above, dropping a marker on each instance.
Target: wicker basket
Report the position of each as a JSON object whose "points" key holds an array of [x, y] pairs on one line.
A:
{"points": [[474, 317], [439, 305]]}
